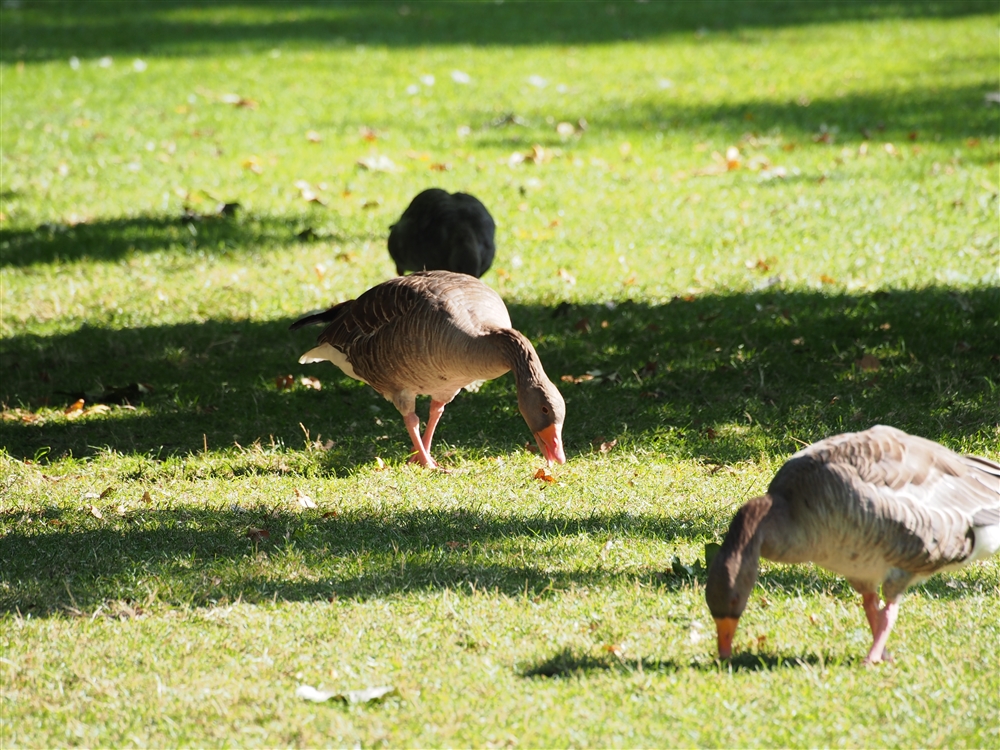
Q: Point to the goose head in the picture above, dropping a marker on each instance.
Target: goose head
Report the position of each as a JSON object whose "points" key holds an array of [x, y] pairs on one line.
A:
{"points": [[544, 411], [733, 572]]}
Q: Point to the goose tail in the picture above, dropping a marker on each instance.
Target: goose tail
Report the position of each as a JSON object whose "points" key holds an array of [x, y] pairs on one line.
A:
{"points": [[327, 316]]}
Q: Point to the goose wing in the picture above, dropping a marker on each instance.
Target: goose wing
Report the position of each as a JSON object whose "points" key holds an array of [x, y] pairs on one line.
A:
{"points": [[916, 501]]}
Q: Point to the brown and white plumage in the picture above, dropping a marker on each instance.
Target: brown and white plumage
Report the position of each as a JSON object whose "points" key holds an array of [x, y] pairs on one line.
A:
{"points": [[879, 507], [434, 333]]}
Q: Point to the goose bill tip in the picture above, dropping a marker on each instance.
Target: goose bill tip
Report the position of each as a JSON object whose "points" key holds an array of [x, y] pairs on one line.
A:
{"points": [[725, 629], [550, 444]]}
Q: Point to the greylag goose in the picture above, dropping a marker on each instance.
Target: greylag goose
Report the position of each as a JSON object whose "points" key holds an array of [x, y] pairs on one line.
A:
{"points": [[435, 333], [879, 507], [443, 231]]}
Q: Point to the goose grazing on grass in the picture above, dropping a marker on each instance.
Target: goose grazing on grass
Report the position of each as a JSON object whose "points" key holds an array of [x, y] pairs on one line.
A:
{"points": [[441, 231], [435, 333], [879, 507]]}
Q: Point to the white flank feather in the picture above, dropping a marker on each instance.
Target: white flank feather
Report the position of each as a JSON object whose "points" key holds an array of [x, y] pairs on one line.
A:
{"points": [[328, 353]]}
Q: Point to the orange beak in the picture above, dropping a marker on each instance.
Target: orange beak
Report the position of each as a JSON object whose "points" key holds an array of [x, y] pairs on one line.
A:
{"points": [[726, 628], [550, 444]]}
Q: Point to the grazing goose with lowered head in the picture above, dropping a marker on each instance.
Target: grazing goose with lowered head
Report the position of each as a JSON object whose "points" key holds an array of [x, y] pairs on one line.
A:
{"points": [[435, 333], [441, 231], [879, 507]]}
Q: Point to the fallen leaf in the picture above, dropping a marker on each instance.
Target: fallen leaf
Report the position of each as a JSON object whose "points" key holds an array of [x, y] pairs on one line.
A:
{"points": [[614, 648], [331, 514], [732, 158], [95, 512], [303, 499], [367, 695], [440, 167], [814, 619], [238, 101], [253, 164], [454, 545], [106, 492], [368, 134], [827, 279], [313, 137], [566, 276], [310, 382], [283, 382], [885, 327], [602, 446], [146, 497], [565, 129], [379, 464], [377, 163], [890, 149], [868, 363], [798, 341], [545, 476], [258, 535], [710, 433], [583, 325], [75, 409]]}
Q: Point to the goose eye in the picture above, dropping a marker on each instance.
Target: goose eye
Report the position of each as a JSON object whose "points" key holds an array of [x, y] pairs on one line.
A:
{"points": [[545, 410]]}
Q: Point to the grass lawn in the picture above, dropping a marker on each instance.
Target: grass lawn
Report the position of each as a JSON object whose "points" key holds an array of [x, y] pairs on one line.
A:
{"points": [[729, 228]]}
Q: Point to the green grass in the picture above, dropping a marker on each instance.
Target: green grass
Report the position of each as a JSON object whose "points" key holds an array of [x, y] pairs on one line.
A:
{"points": [[505, 611]]}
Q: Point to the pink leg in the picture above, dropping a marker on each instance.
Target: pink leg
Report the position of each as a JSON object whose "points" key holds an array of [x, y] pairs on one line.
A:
{"points": [[420, 456], [437, 409], [870, 603], [886, 619]]}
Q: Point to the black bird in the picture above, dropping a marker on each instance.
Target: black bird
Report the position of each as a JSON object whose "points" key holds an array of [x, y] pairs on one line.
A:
{"points": [[441, 231]]}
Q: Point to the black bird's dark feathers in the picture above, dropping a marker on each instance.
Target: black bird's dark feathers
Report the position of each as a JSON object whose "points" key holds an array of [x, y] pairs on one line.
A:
{"points": [[441, 231]]}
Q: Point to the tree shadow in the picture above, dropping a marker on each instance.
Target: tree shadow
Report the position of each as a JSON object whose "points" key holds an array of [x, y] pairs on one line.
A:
{"points": [[112, 239], [917, 114], [57, 30], [721, 377]]}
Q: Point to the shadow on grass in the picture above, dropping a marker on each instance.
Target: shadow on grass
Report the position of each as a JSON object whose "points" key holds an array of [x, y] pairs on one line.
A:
{"points": [[570, 663], [55, 561], [919, 114], [113, 239], [58, 30], [723, 378]]}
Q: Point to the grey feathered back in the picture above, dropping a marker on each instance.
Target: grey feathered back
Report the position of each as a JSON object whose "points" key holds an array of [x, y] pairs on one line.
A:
{"points": [[885, 493], [442, 231]]}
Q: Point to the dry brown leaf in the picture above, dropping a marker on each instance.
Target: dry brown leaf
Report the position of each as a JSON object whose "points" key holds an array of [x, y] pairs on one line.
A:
{"points": [[440, 167], [710, 433], [566, 276], [827, 279], [377, 163], [368, 134], [732, 158], [545, 476], [146, 497], [303, 499], [614, 648], [283, 382], [107, 491], [258, 535], [75, 409], [603, 446], [310, 382], [331, 514], [868, 363], [583, 324]]}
